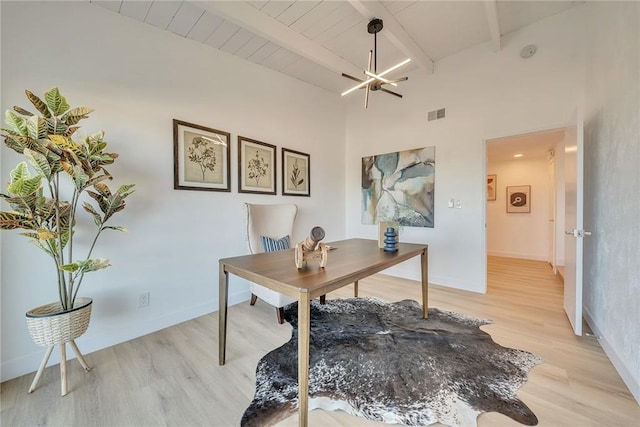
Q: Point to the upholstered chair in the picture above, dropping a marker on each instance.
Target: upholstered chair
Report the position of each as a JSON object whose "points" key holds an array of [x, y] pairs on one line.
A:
{"points": [[273, 222]]}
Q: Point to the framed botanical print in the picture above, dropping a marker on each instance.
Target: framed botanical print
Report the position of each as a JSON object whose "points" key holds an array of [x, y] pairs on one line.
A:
{"points": [[519, 199], [256, 166], [200, 158], [492, 182], [296, 173]]}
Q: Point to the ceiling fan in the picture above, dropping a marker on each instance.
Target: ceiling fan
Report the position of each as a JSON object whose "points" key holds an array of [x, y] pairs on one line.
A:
{"points": [[374, 80]]}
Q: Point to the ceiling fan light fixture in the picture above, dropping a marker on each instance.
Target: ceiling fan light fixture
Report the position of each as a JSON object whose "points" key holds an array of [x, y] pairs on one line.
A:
{"points": [[375, 80]]}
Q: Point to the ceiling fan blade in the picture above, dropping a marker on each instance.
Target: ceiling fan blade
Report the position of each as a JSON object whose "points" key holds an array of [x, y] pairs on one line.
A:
{"points": [[390, 92], [399, 79], [351, 77]]}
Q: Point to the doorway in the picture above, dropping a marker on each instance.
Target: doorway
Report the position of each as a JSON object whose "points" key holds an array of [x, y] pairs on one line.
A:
{"points": [[525, 197]]}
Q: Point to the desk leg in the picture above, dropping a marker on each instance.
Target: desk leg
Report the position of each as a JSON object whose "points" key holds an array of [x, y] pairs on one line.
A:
{"points": [[222, 312], [304, 327], [425, 284]]}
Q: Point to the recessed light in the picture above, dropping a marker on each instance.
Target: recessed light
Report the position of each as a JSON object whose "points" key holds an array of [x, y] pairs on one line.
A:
{"points": [[517, 155]]}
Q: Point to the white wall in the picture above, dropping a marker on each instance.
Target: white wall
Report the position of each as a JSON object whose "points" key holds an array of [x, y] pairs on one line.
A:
{"points": [[519, 235], [138, 78], [487, 95], [612, 185]]}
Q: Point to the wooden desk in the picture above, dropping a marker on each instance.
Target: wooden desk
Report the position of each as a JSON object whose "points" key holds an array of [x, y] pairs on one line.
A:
{"points": [[354, 259]]}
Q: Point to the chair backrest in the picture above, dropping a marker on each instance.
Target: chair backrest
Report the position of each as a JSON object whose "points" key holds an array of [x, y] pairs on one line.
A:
{"points": [[275, 221]]}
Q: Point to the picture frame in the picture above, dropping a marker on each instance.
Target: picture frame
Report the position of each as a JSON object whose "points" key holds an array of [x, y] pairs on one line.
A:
{"points": [[492, 186], [519, 199], [256, 166], [200, 157], [296, 173]]}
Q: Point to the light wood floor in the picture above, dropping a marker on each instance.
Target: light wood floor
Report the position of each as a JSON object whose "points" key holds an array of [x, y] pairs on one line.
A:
{"points": [[172, 378]]}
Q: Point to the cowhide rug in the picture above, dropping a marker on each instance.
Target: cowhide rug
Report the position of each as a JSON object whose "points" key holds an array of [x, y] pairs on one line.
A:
{"points": [[383, 362]]}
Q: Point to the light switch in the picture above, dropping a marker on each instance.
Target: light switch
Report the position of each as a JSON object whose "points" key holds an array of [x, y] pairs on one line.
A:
{"points": [[451, 202], [458, 204]]}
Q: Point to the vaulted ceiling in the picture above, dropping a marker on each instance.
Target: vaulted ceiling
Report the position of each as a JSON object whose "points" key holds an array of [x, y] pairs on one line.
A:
{"points": [[315, 41]]}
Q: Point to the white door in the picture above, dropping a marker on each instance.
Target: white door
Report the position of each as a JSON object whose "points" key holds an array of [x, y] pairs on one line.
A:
{"points": [[573, 215], [551, 231]]}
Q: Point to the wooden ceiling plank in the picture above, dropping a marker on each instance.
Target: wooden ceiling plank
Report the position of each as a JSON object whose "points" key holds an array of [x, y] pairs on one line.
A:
{"points": [[264, 52], [251, 47], [135, 9], [257, 22], [347, 23], [223, 33], [114, 6], [236, 42], [205, 26], [161, 13], [275, 8], [296, 11], [328, 21], [491, 9], [394, 32], [185, 19], [314, 15]]}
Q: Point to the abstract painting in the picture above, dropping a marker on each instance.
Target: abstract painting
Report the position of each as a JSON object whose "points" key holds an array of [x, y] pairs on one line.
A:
{"points": [[399, 187]]}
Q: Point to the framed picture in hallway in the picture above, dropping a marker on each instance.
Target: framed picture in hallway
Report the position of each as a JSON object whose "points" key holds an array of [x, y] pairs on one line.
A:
{"points": [[491, 187], [519, 199]]}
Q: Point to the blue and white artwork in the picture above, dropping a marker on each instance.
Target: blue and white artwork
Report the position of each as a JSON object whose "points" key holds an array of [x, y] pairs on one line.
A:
{"points": [[399, 187]]}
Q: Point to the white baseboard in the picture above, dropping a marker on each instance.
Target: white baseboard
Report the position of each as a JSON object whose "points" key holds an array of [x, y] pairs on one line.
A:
{"points": [[632, 383], [413, 274], [533, 257], [88, 344]]}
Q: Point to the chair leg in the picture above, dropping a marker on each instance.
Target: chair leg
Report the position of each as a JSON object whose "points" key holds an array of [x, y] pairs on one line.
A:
{"points": [[280, 314], [323, 299], [355, 289], [254, 298]]}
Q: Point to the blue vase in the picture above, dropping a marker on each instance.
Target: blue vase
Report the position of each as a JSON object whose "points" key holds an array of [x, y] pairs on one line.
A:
{"points": [[390, 240]]}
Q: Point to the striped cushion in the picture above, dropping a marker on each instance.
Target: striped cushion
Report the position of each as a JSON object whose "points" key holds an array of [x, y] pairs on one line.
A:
{"points": [[272, 245]]}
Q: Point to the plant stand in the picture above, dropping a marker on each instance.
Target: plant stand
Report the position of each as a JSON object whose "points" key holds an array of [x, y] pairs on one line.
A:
{"points": [[49, 327], [63, 365]]}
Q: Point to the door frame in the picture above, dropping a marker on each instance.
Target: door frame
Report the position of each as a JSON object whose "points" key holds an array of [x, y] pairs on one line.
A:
{"points": [[507, 134]]}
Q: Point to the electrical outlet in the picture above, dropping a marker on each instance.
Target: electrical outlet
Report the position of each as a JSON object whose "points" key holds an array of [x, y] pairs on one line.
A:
{"points": [[458, 204], [143, 299]]}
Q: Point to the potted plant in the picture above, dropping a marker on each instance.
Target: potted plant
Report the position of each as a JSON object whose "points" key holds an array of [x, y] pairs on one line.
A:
{"points": [[45, 204]]}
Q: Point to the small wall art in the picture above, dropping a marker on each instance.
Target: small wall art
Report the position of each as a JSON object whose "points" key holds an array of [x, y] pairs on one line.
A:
{"points": [[519, 199], [200, 158], [256, 166], [492, 182], [399, 187], [296, 173]]}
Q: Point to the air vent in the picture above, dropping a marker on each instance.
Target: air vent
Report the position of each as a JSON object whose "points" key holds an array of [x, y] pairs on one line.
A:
{"points": [[436, 114]]}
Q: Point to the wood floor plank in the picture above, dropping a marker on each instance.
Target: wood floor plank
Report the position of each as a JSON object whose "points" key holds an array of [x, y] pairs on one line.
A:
{"points": [[172, 377]]}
